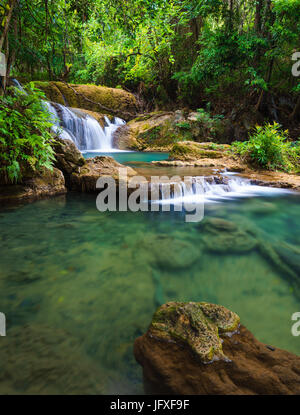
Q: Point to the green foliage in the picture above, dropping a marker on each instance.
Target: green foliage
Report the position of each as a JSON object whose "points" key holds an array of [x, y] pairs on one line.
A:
{"points": [[184, 125], [25, 138], [269, 148]]}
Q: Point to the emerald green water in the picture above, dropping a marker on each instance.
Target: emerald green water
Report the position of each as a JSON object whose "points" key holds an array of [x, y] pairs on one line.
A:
{"points": [[78, 286], [130, 156]]}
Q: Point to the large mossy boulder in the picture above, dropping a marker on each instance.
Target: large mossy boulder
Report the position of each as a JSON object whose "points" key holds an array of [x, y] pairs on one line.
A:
{"points": [[36, 185], [93, 98], [160, 130], [201, 349], [189, 150]]}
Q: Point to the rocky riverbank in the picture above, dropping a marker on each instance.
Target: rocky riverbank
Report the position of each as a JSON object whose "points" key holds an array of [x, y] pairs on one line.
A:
{"points": [[202, 349], [71, 173]]}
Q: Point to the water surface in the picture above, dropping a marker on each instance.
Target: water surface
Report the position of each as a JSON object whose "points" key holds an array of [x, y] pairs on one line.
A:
{"points": [[78, 286]]}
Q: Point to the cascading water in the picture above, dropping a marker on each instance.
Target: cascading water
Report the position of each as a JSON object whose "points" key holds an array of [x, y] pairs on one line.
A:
{"points": [[83, 129], [212, 189]]}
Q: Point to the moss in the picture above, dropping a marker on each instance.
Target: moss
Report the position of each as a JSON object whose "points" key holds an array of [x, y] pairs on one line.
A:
{"points": [[192, 151], [89, 96], [195, 325], [69, 95], [51, 91]]}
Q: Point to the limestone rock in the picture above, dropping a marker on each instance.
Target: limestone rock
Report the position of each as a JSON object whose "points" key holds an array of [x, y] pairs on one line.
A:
{"points": [[42, 184], [92, 98], [184, 336], [167, 252], [222, 236], [85, 179], [68, 157]]}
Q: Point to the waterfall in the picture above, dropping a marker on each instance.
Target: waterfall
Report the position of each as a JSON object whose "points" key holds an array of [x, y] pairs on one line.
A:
{"points": [[212, 189], [82, 128]]}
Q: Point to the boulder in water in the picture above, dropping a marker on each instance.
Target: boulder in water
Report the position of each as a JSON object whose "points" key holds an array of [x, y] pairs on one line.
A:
{"points": [[168, 252], [68, 157], [226, 237], [85, 179], [184, 337], [37, 185]]}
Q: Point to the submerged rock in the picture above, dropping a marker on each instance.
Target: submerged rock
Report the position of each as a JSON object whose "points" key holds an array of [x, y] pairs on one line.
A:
{"points": [[183, 337], [222, 236], [290, 255], [39, 360], [168, 252]]}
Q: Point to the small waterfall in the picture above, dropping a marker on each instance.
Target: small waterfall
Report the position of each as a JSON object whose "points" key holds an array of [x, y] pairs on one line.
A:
{"points": [[82, 128], [17, 84], [212, 189]]}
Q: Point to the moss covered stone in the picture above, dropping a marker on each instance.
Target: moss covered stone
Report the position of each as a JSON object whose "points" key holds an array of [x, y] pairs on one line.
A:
{"points": [[189, 150], [94, 98], [197, 326]]}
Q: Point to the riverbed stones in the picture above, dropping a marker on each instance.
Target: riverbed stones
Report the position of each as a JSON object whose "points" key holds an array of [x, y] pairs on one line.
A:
{"points": [[167, 252], [225, 237], [183, 337], [37, 359]]}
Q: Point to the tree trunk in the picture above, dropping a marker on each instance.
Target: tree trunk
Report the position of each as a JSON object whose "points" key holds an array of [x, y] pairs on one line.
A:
{"points": [[296, 110], [263, 92], [7, 23], [258, 15]]}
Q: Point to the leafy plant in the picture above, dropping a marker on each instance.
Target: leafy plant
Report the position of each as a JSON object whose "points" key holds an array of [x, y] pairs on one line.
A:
{"points": [[25, 137], [269, 148]]}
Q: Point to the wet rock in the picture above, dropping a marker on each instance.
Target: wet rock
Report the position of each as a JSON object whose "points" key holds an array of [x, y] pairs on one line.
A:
{"points": [[39, 360], [184, 337], [68, 157], [92, 98], [86, 178], [42, 184]]}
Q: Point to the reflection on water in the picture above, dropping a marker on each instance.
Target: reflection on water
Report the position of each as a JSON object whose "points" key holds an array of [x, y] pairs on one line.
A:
{"points": [[78, 286]]}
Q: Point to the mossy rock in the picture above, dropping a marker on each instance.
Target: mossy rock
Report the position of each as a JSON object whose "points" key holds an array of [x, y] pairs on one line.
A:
{"points": [[189, 150], [94, 98], [225, 237], [169, 253], [197, 326], [51, 91]]}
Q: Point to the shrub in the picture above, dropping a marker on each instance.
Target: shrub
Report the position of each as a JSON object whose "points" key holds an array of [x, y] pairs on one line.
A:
{"points": [[25, 137], [268, 147]]}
